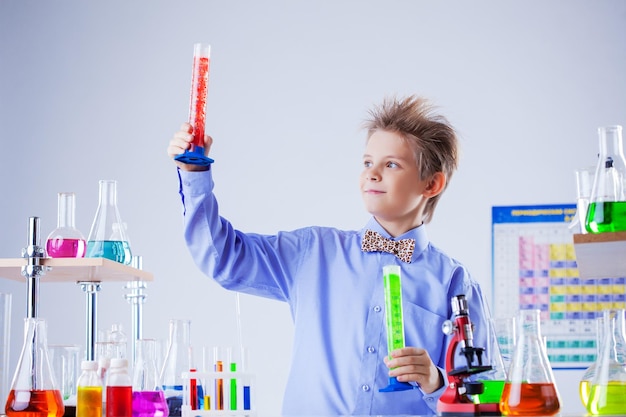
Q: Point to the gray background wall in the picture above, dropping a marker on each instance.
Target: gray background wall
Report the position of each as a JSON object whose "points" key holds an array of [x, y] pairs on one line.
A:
{"points": [[95, 90]]}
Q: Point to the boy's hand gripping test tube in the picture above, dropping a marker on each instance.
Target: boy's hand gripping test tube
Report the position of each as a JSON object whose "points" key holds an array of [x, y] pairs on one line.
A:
{"points": [[395, 320], [197, 106]]}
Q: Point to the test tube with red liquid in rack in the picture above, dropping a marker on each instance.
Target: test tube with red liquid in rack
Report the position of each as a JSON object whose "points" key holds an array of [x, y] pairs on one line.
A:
{"points": [[197, 106]]}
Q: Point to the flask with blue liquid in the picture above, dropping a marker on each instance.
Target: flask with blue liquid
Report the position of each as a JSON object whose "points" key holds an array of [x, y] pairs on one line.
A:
{"points": [[108, 238]]}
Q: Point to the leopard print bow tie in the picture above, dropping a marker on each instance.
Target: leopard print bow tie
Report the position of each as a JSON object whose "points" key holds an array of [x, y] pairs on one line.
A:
{"points": [[375, 242]]}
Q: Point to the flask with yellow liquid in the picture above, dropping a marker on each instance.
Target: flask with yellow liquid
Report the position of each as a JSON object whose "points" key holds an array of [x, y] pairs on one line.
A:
{"points": [[607, 395], [584, 386]]}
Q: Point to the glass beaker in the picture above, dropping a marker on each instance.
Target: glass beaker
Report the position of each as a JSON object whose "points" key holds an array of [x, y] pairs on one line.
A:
{"points": [[148, 396], [65, 360], [197, 106], [608, 388], [34, 391], [107, 238], [5, 332], [66, 241], [584, 385], [494, 379], [584, 184], [530, 389], [607, 207], [178, 359]]}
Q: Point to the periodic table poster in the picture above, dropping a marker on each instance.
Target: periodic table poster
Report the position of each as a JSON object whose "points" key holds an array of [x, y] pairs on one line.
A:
{"points": [[534, 267]]}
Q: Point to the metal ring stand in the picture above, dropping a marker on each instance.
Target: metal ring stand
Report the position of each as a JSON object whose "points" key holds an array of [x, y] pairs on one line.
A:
{"points": [[34, 254]]}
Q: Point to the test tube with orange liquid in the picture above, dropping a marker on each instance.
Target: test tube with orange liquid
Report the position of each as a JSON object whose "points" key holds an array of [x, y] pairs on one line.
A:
{"points": [[197, 106]]}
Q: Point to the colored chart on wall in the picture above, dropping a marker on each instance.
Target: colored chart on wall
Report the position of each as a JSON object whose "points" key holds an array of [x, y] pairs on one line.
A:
{"points": [[534, 267]]}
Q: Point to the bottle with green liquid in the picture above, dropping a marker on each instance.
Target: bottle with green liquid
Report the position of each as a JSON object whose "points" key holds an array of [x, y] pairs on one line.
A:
{"points": [[607, 208], [607, 395]]}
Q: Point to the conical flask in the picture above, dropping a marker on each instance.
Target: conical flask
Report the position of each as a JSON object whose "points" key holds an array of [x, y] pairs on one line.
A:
{"points": [[584, 385], [608, 389], [66, 241], [178, 359], [530, 389], [148, 396], [107, 238], [607, 207], [494, 379], [34, 392]]}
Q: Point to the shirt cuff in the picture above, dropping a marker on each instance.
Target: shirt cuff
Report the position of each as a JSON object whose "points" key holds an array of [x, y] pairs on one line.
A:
{"points": [[432, 398], [195, 182]]}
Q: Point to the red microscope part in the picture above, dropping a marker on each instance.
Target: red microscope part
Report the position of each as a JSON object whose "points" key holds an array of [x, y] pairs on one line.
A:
{"points": [[455, 401]]}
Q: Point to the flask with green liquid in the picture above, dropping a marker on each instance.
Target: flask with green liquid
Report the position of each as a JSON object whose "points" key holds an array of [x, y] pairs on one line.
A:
{"points": [[607, 208]]}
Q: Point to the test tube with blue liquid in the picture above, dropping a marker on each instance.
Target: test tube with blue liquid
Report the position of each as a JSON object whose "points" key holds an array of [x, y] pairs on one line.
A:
{"points": [[247, 379], [394, 320]]}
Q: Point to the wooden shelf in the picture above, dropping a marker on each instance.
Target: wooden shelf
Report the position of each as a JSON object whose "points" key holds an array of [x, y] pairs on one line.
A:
{"points": [[601, 255], [75, 270]]}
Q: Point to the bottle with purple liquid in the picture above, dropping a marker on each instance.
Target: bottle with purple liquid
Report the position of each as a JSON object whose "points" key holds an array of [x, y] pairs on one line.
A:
{"points": [[148, 396], [66, 241]]}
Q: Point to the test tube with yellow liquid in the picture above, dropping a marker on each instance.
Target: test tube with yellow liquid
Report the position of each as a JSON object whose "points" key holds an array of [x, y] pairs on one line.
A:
{"points": [[394, 320]]}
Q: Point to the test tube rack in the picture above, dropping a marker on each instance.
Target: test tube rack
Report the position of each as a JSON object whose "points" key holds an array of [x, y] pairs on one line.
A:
{"points": [[211, 382]]}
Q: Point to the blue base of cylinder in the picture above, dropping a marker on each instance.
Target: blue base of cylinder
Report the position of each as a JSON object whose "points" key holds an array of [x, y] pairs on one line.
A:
{"points": [[395, 385], [195, 157]]}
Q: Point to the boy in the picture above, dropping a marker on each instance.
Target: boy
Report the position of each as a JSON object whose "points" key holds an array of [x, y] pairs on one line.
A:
{"points": [[338, 366]]}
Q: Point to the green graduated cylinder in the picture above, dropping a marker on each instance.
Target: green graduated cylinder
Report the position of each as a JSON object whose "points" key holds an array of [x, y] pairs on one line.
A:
{"points": [[394, 320]]}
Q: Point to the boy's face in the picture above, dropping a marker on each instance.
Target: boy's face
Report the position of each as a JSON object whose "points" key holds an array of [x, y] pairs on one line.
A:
{"points": [[390, 182]]}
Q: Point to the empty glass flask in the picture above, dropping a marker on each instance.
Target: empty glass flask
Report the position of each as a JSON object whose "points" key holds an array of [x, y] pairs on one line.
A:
{"points": [[607, 207], [530, 389]]}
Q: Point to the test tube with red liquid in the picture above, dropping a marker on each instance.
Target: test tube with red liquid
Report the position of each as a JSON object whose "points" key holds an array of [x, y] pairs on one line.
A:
{"points": [[197, 106]]}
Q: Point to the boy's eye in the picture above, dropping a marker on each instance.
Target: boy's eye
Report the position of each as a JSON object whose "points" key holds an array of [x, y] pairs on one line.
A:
{"points": [[392, 165], [367, 164]]}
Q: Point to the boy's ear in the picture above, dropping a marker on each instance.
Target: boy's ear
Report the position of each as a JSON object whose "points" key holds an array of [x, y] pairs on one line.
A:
{"points": [[436, 185]]}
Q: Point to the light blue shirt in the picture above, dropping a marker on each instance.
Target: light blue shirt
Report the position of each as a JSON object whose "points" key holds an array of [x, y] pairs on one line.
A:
{"points": [[335, 294]]}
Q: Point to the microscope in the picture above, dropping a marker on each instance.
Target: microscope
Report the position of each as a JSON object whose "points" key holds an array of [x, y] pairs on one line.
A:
{"points": [[455, 401]]}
